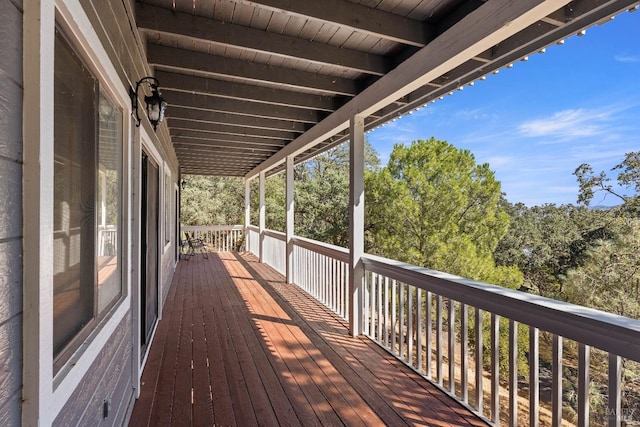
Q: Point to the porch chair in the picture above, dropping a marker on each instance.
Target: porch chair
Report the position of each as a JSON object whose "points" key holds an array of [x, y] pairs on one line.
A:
{"points": [[197, 244]]}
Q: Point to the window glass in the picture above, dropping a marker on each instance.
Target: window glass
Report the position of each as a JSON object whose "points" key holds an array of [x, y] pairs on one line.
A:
{"points": [[109, 190], [74, 183], [87, 202], [168, 204]]}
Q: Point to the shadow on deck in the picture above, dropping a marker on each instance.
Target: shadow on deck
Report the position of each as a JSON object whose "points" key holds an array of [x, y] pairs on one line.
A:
{"points": [[238, 346]]}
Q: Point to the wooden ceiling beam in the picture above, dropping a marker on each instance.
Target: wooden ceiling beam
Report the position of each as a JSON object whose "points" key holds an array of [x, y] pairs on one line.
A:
{"points": [[237, 148], [239, 91], [226, 152], [250, 72], [228, 139], [234, 119], [232, 130], [484, 27], [254, 109], [152, 18], [375, 22]]}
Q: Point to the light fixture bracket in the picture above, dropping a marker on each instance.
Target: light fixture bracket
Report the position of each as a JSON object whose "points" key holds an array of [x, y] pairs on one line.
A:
{"points": [[155, 103]]}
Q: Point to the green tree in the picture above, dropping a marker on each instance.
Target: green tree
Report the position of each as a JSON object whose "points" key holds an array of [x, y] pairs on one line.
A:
{"points": [[546, 241], [609, 278], [322, 194], [628, 177], [274, 202], [433, 206], [212, 200]]}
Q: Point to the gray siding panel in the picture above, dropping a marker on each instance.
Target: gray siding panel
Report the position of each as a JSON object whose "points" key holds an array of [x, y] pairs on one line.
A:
{"points": [[10, 279], [11, 360], [111, 368], [11, 196], [120, 411], [11, 212], [11, 36], [10, 119], [9, 416]]}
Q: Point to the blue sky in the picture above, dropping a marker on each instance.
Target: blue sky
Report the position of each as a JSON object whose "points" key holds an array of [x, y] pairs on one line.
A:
{"points": [[536, 122]]}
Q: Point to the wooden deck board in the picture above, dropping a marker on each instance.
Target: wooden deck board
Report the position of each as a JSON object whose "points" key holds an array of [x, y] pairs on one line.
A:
{"points": [[239, 346]]}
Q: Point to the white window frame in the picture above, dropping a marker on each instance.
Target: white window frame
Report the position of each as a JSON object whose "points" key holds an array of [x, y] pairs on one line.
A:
{"points": [[44, 394], [140, 359], [167, 199]]}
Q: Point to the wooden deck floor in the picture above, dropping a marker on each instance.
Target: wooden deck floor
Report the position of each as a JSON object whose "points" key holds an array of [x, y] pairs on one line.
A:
{"points": [[238, 346]]}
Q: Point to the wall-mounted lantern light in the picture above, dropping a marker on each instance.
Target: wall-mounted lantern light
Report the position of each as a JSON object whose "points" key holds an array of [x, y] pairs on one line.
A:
{"points": [[183, 183], [155, 103]]}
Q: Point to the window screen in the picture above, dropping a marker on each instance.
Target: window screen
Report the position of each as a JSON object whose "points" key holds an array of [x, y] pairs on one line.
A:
{"points": [[87, 201]]}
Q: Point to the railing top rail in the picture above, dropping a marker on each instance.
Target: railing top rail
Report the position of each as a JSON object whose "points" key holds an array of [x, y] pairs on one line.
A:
{"points": [[616, 334], [332, 251], [275, 234], [211, 227], [253, 227]]}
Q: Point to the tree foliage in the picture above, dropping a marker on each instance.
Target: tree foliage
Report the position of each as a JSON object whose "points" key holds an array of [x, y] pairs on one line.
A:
{"points": [[609, 277], [433, 206], [544, 242], [212, 200], [628, 177]]}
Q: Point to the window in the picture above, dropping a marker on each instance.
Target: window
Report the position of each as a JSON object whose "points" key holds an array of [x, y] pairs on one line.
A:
{"points": [[168, 190], [87, 202]]}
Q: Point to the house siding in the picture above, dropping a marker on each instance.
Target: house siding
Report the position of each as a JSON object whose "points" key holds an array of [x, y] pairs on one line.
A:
{"points": [[109, 379], [10, 212], [111, 376]]}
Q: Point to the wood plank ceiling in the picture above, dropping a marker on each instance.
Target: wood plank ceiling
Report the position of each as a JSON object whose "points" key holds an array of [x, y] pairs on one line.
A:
{"points": [[244, 78]]}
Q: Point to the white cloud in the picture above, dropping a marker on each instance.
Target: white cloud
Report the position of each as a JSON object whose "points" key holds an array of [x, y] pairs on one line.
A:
{"points": [[568, 124], [627, 58], [473, 114], [499, 161]]}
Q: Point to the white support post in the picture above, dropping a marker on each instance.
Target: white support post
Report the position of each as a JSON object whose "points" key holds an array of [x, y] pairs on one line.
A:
{"points": [[290, 222], [247, 212], [262, 216], [356, 223], [38, 76]]}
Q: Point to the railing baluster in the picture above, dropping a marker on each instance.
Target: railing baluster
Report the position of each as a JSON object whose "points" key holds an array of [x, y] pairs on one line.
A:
{"points": [[410, 325], [347, 297], [337, 284], [401, 318], [615, 396], [365, 301], [327, 283], [464, 352], [379, 316], [556, 391], [451, 351], [394, 319], [584, 362], [386, 312], [534, 377], [495, 369], [429, 339], [343, 303], [374, 306], [419, 331], [479, 361], [513, 373], [439, 372]]}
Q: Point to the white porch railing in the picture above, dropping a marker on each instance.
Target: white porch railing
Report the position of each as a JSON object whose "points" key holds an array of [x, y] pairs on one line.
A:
{"points": [[434, 321], [107, 240], [419, 315], [253, 240], [218, 238], [322, 270], [274, 250]]}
